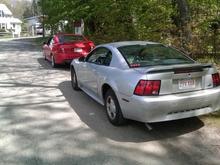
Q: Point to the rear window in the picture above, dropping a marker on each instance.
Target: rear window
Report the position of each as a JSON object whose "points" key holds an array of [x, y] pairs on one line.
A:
{"points": [[70, 38], [153, 54]]}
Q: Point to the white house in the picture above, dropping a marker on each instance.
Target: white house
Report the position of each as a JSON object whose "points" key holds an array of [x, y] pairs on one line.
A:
{"points": [[8, 22]]}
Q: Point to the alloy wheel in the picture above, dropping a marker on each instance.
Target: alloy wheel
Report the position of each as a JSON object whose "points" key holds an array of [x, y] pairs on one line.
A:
{"points": [[111, 107]]}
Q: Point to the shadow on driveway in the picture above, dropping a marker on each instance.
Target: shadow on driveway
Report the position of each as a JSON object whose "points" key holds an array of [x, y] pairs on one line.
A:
{"points": [[18, 46], [93, 114], [47, 65]]}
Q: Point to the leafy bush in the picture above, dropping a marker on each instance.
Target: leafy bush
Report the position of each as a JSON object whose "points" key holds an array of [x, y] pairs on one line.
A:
{"points": [[187, 24]]}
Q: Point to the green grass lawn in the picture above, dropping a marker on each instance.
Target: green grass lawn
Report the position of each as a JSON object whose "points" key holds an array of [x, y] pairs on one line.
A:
{"points": [[5, 36], [39, 41]]}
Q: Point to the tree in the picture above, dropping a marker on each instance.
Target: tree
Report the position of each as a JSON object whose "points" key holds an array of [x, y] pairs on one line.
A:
{"points": [[183, 23], [34, 8], [27, 12]]}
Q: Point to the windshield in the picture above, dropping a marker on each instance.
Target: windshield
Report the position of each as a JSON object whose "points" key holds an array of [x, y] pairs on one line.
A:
{"points": [[152, 54], [70, 38]]}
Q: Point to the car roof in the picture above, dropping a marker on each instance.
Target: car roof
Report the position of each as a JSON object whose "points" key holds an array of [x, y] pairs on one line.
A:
{"points": [[127, 43], [71, 34]]}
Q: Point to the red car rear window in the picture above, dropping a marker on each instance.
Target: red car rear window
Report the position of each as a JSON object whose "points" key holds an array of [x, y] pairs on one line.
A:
{"points": [[70, 38]]}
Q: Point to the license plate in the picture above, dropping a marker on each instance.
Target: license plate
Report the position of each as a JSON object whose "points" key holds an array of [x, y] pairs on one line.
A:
{"points": [[77, 50], [187, 84]]}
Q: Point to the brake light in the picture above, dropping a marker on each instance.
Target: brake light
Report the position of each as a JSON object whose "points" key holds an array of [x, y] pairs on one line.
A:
{"points": [[216, 79], [147, 88], [61, 50], [91, 44]]}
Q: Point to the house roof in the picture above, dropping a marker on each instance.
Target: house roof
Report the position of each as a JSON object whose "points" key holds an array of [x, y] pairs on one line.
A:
{"points": [[5, 9], [32, 18], [10, 20], [15, 20]]}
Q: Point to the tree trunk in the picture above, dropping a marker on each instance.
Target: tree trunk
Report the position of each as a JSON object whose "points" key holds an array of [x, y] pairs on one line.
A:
{"points": [[184, 16]]}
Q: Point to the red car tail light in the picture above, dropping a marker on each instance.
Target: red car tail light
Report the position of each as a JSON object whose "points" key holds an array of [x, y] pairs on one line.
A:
{"points": [[216, 79], [147, 88], [61, 50], [91, 44]]}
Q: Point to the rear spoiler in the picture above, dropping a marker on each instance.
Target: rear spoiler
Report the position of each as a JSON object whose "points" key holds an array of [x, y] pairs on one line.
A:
{"points": [[180, 69]]}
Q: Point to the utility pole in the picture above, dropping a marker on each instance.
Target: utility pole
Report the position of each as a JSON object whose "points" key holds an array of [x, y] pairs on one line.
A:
{"points": [[43, 25]]}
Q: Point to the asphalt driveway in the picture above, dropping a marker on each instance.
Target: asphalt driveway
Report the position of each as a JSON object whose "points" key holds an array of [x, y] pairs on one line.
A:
{"points": [[44, 122]]}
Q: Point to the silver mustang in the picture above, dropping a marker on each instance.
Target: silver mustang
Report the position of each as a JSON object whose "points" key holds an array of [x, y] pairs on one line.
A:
{"points": [[147, 82]]}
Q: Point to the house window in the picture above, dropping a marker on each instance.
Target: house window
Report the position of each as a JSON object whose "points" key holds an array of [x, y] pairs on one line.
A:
{"points": [[13, 25], [3, 26], [2, 14]]}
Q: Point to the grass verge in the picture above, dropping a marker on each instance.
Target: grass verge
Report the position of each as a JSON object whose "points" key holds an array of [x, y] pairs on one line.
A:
{"points": [[39, 41]]}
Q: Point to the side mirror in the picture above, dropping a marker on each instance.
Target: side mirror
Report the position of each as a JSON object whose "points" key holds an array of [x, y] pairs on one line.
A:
{"points": [[82, 59]]}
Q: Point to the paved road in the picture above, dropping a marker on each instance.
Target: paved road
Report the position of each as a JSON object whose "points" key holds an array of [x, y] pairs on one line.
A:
{"points": [[44, 122]]}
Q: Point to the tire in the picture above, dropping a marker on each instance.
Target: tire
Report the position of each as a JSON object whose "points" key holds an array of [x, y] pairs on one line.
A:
{"points": [[53, 62], [74, 81], [113, 109]]}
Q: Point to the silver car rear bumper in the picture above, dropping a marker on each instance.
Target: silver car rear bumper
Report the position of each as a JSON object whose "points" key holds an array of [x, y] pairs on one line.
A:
{"points": [[171, 107]]}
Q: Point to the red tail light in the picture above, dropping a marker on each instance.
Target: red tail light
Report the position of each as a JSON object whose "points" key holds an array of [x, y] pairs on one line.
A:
{"points": [[91, 44], [216, 79], [61, 50], [147, 88]]}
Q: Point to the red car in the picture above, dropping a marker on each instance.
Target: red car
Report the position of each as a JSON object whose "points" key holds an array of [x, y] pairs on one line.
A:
{"points": [[63, 48]]}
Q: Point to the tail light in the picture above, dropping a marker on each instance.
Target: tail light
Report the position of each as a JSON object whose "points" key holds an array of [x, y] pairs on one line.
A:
{"points": [[216, 79], [148, 88], [61, 50], [91, 44]]}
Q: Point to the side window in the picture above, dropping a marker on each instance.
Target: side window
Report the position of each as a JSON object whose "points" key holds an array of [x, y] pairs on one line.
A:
{"points": [[108, 59], [100, 56]]}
